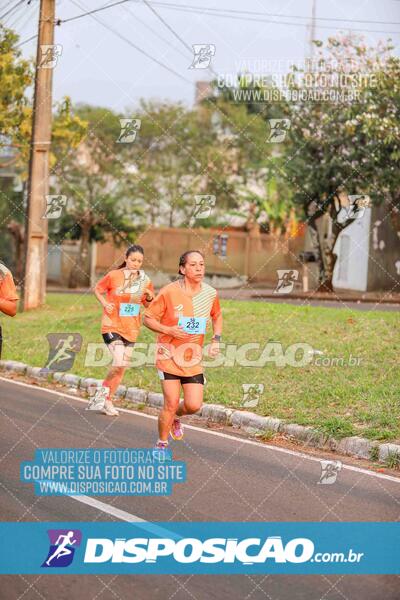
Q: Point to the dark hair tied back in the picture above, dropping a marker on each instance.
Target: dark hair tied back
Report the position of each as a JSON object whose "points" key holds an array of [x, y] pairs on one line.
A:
{"points": [[130, 250]]}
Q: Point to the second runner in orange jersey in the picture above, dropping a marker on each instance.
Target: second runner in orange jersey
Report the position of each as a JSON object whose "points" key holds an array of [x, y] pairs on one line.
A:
{"points": [[122, 292]]}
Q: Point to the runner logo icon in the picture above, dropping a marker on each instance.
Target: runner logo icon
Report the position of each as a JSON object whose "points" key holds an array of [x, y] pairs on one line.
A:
{"points": [[62, 547]]}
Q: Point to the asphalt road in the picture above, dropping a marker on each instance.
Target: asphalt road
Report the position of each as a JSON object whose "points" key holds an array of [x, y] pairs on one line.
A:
{"points": [[228, 479]]}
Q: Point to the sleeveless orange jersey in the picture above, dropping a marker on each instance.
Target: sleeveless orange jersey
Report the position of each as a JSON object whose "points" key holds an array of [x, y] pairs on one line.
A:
{"points": [[174, 307], [7, 286], [127, 294]]}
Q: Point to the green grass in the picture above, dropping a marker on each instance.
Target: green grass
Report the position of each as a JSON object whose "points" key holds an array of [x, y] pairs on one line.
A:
{"points": [[339, 400], [393, 461], [335, 427]]}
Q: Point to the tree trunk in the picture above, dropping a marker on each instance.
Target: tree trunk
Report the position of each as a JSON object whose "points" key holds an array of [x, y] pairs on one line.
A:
{"points": [[314, 210], [171, 217], [17, 232], [323, 248], [79, 274], [326, 275], [316, 246], [394, 211]]}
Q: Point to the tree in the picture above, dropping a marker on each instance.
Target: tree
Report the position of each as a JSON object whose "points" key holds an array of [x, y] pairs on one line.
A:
{"points": [[16, 77], [177, 156], [347, 144], [164, 159], [94, 176], [262, 184]]}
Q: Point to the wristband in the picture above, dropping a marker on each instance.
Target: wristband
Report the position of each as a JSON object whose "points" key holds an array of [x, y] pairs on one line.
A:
{"points": [[216, 338]]}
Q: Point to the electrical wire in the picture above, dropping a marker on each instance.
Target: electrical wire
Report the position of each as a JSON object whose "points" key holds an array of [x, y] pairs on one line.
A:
{"points": [[128, 41], [258, 20], [266, 14], [12, 9], [232, 14]]}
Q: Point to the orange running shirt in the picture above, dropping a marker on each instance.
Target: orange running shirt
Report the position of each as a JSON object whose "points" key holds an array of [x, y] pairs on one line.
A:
{"points": [[7, 286], [172, 307], [127, 292]]}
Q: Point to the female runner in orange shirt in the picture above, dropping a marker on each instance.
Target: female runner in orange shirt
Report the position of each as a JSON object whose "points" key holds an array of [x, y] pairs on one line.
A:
{"points": [[8, 296], [125, 289], [180, 315]]}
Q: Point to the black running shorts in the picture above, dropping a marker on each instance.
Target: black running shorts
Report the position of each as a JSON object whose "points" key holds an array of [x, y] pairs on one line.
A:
{"points": [[114, 337], [192, 379]]}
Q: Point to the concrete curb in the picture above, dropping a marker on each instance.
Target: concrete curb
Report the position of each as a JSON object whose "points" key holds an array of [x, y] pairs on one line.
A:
{"points": [[251, 423]]}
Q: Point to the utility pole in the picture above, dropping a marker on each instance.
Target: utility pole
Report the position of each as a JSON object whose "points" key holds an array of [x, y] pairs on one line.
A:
{"points": [[36, 228]]}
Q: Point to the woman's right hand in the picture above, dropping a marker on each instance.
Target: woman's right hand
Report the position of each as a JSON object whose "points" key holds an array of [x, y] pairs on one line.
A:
{"points": [[178, 332], [109, 307]]}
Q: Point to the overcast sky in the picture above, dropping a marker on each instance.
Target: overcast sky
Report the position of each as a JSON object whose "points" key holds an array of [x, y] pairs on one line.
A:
{"points": [[98, 67]]}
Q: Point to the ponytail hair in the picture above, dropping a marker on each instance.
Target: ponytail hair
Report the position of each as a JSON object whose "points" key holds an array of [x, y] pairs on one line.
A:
{"points": [[130, 250], [184, 258]]}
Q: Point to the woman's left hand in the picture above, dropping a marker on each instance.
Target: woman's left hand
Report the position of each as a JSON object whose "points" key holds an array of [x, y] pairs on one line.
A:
{"points": [[213, 349]]}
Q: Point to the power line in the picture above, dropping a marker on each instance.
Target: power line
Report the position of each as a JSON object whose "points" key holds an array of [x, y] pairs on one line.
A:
{"points": [[266, 14], [12, 9], [235, 14], [217, 12], [175, 33], [91, 12], [160, 37], [62, 21], [178, 37], [33, 37], [128, 41], [226, 11], [258, 20], [28, 14], [222, 12]]}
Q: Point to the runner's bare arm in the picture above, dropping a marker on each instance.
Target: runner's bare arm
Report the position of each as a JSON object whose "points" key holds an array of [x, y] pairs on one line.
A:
{"points": [[217, 324], [213, 349], [99, 295], [8, 307]]}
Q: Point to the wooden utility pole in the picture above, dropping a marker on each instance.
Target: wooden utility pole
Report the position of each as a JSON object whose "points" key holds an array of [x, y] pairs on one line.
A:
{"points": [[34, 287]]}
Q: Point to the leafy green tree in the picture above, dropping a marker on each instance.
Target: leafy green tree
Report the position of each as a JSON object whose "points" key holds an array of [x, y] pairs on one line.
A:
{"points": [[247, 110], [16, 77], [181, 153], [94, 175], [348, 145]]}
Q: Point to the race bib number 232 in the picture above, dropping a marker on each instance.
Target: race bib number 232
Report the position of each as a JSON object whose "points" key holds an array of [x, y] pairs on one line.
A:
{"points": [[193, 325]]}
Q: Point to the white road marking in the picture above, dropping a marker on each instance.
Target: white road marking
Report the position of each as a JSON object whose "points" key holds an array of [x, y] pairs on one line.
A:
{"points": [[220, 434], [109, 509], [122, 515]]}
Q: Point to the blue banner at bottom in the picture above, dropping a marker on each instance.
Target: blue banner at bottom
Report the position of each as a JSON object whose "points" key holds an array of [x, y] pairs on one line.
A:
{"points": [[199, 548]]}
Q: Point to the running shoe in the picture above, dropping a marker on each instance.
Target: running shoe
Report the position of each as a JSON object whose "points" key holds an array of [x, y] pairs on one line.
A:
{"points": [[110, 410], [176, 430], [161, 445], [99, 399]]}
